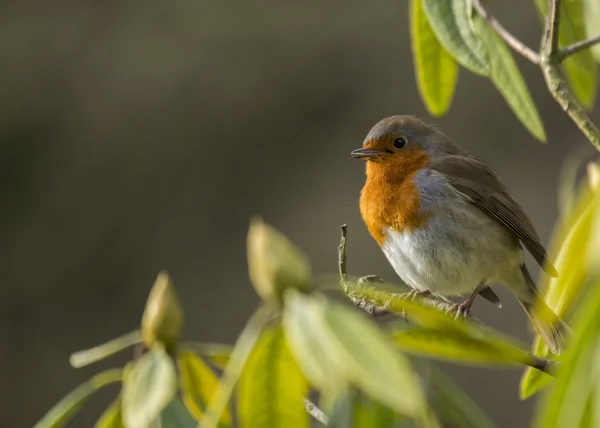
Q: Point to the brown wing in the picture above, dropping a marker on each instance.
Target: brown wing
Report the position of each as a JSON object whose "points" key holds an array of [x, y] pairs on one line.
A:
{"points": [[481, 186]]}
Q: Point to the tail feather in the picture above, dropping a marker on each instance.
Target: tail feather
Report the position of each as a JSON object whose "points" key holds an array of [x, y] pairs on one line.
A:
{"points": [[546, 322], [548, 325]]}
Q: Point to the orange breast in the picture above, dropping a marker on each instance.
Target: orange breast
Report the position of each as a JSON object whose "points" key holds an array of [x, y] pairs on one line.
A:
{"points": [[390, 198]]}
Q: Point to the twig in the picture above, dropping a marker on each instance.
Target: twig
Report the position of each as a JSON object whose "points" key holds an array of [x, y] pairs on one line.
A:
{"points": [[312, 409], [342, 254], [577, 47], [549, 60], [511, 40]]}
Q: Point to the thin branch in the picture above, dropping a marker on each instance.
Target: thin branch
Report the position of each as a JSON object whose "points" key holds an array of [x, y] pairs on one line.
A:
{"points": [[511, 40], [549, 61], [312, 409], [342, 254], [550, 40], [577, 47]]}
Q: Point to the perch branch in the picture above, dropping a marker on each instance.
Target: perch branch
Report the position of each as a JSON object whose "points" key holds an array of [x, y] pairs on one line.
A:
{"points": [[549, 60], [510, 40], [376, 302]]}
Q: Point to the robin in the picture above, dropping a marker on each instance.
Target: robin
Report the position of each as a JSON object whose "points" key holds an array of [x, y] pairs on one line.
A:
{"points": [[446, 223]]}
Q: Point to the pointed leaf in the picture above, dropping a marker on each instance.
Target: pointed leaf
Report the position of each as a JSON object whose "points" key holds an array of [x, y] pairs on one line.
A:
{"points": [[507, 78], [580, 69], [175, 415], [591, 13], [100, 352], [454, 407], [435, 69], [112, 417], [66, 408], [271, 389], [566, 404], [148, 387], [449, 20], [198, 385], [239, 356], [364, 355], [460, 347]]}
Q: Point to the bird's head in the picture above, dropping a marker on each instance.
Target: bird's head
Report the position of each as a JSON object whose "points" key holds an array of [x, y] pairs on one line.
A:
{"points": [[403, 143]]}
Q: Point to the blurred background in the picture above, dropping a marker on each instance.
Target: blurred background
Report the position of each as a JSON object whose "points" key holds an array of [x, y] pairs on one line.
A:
{"points": [[139, 136]]}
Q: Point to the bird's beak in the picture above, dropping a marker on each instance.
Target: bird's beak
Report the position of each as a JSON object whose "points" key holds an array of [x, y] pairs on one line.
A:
{"points": [[367, 153]]}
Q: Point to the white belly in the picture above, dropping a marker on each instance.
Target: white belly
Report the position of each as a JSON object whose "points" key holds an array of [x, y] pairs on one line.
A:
{"points": [[454, 253]]}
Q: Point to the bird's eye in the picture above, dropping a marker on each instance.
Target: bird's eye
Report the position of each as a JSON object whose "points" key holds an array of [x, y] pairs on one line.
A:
{"points": [[399, 142]]}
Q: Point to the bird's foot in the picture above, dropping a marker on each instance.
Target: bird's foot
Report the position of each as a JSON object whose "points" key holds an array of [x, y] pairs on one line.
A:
{"points": [[370, 279], [461, 310]]}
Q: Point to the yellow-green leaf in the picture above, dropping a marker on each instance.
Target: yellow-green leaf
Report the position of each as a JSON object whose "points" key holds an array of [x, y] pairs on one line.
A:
{"points": [[238, 358], [198, 385], [591, 13], [436, 70], [148, 388], [66, 408], [569, 251], [458, 346], [449, 20], [364, 356], [507, 78], [566, 404], [580, 69], [112, 417], [272, 388], [100, 352], [215, 353]]}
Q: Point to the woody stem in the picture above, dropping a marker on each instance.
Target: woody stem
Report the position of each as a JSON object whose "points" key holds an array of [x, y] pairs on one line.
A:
{"points": [[549, 59]]}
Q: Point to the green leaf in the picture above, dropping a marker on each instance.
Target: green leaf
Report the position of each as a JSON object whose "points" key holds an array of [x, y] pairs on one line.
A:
{"points": [[175, 415], [591, 13], [435, 69], [461, 347], [198, 385], [567, 403], [239, 356], [453, 407], [66, 408], [271, 389], [449, 20], [580, 69], [215, 353], [148, 387], [361, 352], [507, 78], [112, 416], [100, 352]]}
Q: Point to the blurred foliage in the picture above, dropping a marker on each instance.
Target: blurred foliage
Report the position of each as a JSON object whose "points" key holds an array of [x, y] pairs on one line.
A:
{"points": [[301, 343]]}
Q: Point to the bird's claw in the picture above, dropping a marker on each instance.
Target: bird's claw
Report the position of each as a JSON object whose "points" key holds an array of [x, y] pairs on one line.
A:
{"points": [[461, 309]]}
